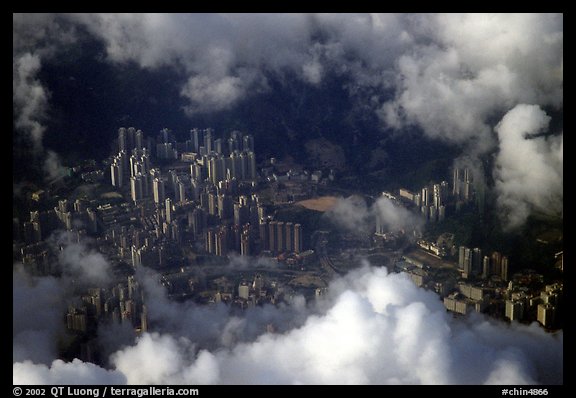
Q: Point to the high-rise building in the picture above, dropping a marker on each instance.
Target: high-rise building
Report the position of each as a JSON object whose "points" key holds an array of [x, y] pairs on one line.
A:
{"points": [[212, 204], [235, 166], [261, 212], [144, 319], [433, 213], [244, 291], [197, 138], [441, 213], [216, 169], [210, 245], [289, 237], [437, 195], [467, 266], [199, 220], [136, 189], [168, 210], [132, 162], [116, 173], [514, 310], [221, 242], [456, 182], [476, 261], [241, 214], [231, 145], [298, 240], [444, 191], [242, 174], [251, 166], [236, 136], [425, 197], [130, 139], [181, 192], [225, 207], [218, 146], [139, 139], [461, 254], [272, 236], [467, 175], [208, 140], [122, 139], [166, 150], [158, 189], [504, 269], [173, 181], [264, 235], [197, 172], [245, 245], [281, 241], [248, 143], [380, 225], [546, 314], [496, 263], [137, 166], [486, 267], [467, 194]]}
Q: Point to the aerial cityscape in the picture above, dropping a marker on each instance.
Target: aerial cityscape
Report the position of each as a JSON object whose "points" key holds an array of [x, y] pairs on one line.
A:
{"points": [[288, 199]]}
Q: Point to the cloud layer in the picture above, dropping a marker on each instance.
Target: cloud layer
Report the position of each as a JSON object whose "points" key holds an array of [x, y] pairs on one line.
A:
{"points": [[370, 328], [452, 75], [475, 80], [529, 166], [39, 302], [353, 214]]}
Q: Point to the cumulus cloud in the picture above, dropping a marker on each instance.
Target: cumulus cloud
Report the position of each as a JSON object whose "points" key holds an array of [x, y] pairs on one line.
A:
{"points": [[351, 213], [53, 166], [474, 68], [223, 57], [374, 328], [64, 373], [238, 262], [30, 98], [83, 264], [35, 38], [38, 303], [529, 167], [355, 215], [396, 217], [452, 75], [215, 324]]}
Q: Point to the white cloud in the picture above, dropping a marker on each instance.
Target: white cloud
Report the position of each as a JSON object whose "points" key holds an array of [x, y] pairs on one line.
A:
{"points": [[452, 75], [351, 213], [62, 373], [374, 328], [30, 98], [473, 68], [529, 170], [36, 316], [85, 264], [355, 215]]}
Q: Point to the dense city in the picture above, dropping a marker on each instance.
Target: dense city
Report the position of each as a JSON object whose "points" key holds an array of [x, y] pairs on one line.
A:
{"points": [[218, 226]]}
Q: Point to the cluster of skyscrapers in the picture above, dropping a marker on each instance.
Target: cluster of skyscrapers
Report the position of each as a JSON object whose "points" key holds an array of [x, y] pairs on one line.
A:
{"points": [[122, 302], [205, 196], [431, 200], [462, 186], [543, 306], [278, 237], [473, 264]]}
